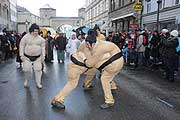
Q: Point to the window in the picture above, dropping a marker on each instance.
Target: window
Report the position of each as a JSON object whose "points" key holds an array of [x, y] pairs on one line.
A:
{"points": [[112, 5], [148, 7], [96, 11], [92, 13], [119, 3], [0, 9], [103, 6], [99, 9], [177, 2], [122, 3], [160, 5]]}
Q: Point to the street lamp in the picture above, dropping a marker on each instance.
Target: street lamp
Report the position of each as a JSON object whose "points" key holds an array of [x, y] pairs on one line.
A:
{"points": [[26, 23], [78, 23], [158, 2]]}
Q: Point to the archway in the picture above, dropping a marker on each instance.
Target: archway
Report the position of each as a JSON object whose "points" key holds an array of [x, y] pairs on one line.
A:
{"points": [[66, 28]]}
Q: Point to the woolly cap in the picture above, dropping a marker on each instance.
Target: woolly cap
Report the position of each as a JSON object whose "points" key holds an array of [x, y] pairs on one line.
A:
{"points": [[174, 33]]}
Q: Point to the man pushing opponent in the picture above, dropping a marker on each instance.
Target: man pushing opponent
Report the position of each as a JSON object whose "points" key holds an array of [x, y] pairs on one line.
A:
{"points": [[92, 53]]}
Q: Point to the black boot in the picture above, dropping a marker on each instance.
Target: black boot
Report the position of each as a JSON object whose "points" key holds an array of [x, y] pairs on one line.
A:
{"points": [[90, 87], [106, 105], [58, 105], [170, 80]]}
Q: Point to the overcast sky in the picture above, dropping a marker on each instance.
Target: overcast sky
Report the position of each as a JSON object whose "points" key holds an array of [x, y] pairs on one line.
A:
{"points": [[63, 7]]}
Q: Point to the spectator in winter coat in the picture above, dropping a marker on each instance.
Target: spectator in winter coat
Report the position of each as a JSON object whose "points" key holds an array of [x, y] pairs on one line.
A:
{"points": [[60, 43], [154, 46], [170, 55], [140, 49], [73, 44]]}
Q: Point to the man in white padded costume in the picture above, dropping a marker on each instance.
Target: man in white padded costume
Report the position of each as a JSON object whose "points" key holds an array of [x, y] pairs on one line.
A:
{"points": [[32, 52]]}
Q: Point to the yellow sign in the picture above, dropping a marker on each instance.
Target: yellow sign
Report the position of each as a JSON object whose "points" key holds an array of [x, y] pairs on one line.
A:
{"points": [[137, 7]]}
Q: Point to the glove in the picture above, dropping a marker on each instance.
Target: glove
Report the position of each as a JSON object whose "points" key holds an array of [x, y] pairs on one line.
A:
{"points": [[42, 59], [22, 58]]}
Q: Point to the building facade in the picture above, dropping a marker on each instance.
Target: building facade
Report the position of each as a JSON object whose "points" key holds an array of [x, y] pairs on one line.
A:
{"points": [[4, 14], [96, 13], [49, 18], [47, 12], [169, 14], [122, 15], [57, 22], [82, 14], [13, 15], [25, 19]]}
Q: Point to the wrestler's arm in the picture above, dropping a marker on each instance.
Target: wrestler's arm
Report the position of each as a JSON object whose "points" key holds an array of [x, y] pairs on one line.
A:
{"points": [[22, 46], [98, 55], [42, 47]]}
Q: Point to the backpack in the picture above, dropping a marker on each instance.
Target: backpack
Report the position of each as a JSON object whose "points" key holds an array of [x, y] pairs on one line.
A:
{"points": [[145, 42], [178, 47]]}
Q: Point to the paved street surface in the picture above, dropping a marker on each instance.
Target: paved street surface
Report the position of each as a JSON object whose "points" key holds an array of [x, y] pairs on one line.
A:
{"points": [[142, 95]]}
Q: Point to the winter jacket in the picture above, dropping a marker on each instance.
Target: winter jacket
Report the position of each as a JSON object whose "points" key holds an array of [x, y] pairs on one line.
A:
{"points": [[139, 44], [170, 47]]}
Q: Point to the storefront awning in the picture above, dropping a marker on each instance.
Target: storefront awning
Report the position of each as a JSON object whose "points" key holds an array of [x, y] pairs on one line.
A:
{"points": [[124, 16]]}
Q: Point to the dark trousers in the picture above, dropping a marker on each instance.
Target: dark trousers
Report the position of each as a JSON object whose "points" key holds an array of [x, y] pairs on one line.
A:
{"points": [[169, 67]]}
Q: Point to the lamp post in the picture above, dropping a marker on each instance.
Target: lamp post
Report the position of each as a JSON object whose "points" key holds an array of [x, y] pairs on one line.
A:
{"points": [[158, 2], [26, 23]]}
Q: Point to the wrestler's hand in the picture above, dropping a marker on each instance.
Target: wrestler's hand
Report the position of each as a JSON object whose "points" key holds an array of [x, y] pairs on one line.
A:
{"points": [[22, 58], [42, 59]]}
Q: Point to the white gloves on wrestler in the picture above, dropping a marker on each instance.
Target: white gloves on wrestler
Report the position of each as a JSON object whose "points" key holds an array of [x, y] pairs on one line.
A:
{"points": [[42, 59], [22, 58]]}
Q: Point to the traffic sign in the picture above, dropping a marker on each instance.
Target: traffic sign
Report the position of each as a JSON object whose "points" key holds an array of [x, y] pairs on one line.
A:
{"points": [[137, 7]]}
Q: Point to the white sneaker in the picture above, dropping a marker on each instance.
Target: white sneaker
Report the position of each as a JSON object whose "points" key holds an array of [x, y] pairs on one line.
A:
{"points": [[26, 83]]}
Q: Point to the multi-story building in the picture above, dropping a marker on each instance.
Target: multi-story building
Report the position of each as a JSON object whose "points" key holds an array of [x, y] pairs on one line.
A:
{"points": [[169, 14], [47, 12], [4, 14], [82, 14], [13, 15], [25, 19], [122, 14], [46, 19], [96, 13], [49, 18]]}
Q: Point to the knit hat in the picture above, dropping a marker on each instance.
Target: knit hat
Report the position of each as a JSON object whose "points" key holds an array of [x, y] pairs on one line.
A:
{"points": [[164, 30], [1, 33], [174, 33], [73, 33]]}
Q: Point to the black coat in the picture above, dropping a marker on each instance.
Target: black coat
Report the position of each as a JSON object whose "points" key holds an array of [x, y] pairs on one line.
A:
{"points": [[154, 45], [170, 47], [61, 43]]}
